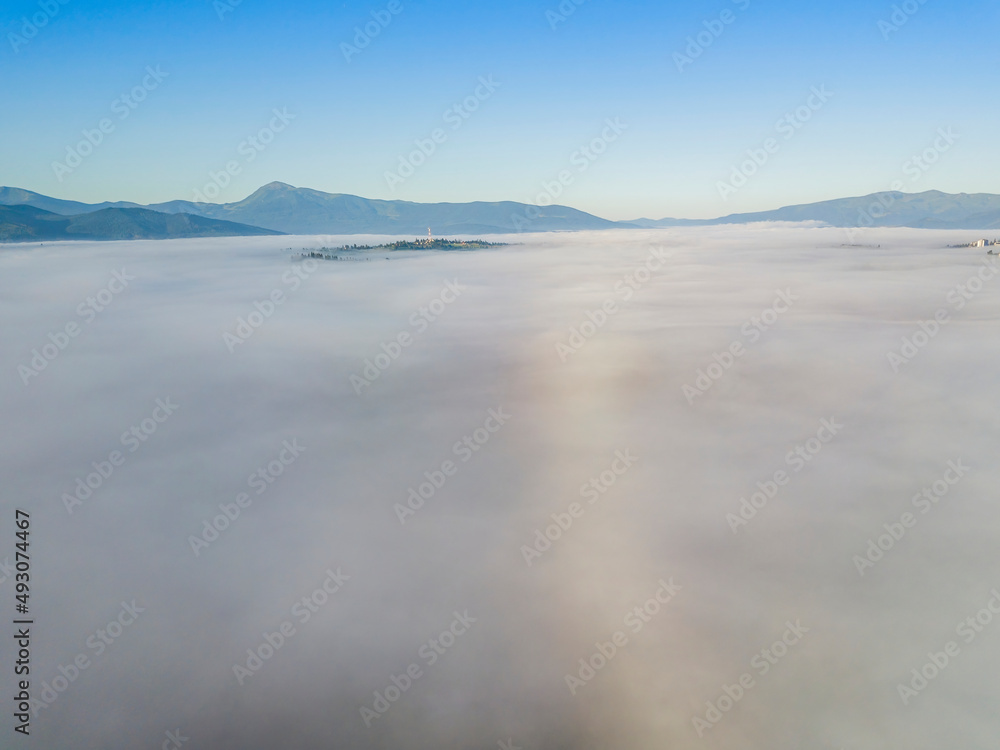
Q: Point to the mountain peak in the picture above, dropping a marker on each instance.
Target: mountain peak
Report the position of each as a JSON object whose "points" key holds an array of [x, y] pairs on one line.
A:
{"points": [[270, 190]]}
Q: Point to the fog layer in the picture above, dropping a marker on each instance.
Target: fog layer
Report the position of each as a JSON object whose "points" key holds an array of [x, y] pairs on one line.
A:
{"points": [[583, 420]]}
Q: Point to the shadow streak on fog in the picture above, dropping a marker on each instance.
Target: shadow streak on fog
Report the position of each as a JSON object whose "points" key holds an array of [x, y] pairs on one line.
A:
{"points": [[825, 358]]}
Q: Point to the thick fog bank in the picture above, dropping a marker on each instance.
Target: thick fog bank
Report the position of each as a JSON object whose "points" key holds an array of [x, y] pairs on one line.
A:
{"points": [[716, 488]]}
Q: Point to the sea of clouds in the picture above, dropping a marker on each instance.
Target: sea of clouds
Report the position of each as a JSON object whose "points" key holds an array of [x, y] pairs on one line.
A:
{"points": [[718, 488]]}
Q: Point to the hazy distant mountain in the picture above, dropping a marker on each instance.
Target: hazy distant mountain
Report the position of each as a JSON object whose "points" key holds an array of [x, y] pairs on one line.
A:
{"points": [[284, 208], [929, 210], [19, 197], [26, 223], [304, 211]]}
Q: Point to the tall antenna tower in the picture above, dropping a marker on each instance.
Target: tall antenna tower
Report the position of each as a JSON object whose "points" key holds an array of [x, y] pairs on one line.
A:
{"points": [[430, 238]]}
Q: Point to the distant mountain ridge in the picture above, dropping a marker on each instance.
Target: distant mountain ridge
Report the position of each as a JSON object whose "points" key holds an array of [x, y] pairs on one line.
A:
{"points": [[24, 223], [285, 209], [294, 210], [928, 210]]}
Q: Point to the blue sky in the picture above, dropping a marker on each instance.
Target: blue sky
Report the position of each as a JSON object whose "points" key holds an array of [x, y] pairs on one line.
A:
{"points": [[684, 131]]}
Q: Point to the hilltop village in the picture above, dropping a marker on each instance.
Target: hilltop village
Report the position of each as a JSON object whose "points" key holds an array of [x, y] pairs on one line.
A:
{"points": [[346, 252]]}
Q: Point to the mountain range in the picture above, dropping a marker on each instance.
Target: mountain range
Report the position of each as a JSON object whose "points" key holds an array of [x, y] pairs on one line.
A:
{"points": [[25, 223], [278, 208], [292, 210], [928, 210]]}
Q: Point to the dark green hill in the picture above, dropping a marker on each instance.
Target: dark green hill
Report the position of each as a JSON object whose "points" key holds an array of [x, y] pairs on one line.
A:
{"points": [[29, 224]]}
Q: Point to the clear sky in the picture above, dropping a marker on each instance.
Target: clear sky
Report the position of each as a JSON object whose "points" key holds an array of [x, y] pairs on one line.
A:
{"points": [[561, 76]]}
